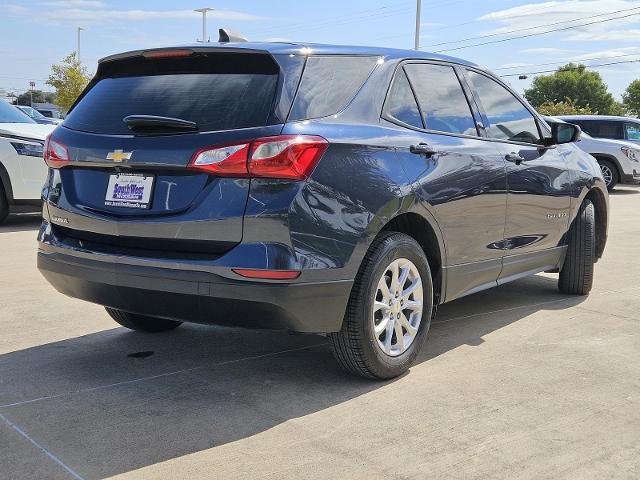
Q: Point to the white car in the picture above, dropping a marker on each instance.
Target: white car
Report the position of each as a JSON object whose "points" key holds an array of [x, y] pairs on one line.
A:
{"points": [[607, 126], [22, 168], [619, 160]]}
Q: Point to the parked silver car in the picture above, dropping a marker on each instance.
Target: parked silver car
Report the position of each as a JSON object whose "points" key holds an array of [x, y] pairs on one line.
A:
{"points": [[619, 160]]}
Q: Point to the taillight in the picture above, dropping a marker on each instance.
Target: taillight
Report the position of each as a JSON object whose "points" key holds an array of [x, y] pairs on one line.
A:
{"points": [[56, 154], [285, 156], [226, 160]]}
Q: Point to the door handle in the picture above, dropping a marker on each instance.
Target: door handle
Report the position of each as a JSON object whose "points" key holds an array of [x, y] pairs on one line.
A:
{"points": [[423, 149], [514, 158]]}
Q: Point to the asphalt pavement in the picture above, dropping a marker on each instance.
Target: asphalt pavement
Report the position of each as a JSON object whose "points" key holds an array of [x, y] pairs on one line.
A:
{"points": [[515, 382]]}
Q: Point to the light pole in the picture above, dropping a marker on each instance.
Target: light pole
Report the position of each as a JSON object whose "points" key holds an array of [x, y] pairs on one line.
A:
{"points": [[204, 22], [78, 48], [32, 85], [418, 6]]}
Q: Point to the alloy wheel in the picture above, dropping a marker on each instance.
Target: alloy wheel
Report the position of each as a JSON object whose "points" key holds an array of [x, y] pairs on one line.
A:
{"points": [[607, 174], [397, 308]]}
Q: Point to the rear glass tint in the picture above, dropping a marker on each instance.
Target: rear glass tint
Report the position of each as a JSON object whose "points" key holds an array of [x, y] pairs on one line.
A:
{"points": [[213, 93], [329, 83]]}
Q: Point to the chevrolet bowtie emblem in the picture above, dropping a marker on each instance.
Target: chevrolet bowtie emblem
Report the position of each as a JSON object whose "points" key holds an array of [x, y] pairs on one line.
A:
{"points": [[119, 156]]}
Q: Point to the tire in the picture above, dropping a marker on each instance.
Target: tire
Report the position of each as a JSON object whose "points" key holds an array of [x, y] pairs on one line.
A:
{"points": [[357, 347], [576, 274], [142, 323], [610, 173], [4, 205]]}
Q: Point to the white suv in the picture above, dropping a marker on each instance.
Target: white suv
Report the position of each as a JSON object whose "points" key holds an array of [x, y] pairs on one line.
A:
{"points": [[607, 126], [619, 160], [22, 168]]}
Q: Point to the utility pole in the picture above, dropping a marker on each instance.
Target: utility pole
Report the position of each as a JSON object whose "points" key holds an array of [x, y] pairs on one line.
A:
{"points": [[418, 7], [204, 11], [32, 85], [78, 48]]}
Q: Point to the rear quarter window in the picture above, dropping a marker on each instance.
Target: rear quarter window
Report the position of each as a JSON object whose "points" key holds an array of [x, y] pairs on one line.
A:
{"points": [[329, 83], [401, 103]]}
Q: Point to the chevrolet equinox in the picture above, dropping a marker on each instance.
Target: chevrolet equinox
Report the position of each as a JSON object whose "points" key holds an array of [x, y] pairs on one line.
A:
{"points": [[343, 191]]}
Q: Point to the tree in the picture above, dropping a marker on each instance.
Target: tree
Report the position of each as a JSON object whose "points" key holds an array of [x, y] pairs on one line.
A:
{"points": [[573, 81], [69, 79], [566, 107], [631, 98], [38, 97]]}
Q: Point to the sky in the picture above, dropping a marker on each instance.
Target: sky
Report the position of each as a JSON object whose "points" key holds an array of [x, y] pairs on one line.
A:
{"points": [[34, 34]]}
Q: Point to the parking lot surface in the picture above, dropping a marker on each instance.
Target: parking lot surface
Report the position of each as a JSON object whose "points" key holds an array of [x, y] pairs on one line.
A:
{"points": [[516, 382]]}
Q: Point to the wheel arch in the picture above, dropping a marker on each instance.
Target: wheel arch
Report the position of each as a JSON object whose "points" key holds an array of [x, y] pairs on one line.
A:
{"points": [[600, 205], [5, 181], [609, 158], [427, 235]]}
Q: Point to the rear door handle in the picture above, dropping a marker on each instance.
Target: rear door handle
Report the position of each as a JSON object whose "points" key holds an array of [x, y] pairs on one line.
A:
{"points": [[423, 149], [514, 158]]}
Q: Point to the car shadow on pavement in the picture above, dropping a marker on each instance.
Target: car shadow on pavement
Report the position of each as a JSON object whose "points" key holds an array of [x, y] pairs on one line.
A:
{"points": [[115, 401], [23, 222], [624, 191]]}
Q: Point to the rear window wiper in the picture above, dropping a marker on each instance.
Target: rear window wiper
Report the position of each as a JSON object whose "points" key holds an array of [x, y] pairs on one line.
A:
{"points": [[154, 122]]}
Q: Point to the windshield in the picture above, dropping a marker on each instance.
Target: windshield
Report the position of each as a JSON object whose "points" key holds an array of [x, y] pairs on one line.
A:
{"points": [[10, 114], [32, 112]]}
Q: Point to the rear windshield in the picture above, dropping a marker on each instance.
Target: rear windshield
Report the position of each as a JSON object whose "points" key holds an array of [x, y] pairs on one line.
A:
{"points": [[216, 93]]}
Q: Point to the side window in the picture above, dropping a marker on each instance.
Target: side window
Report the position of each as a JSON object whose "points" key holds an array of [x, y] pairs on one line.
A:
{"points": [[329, 83], [401, 104], [508, 118], [589, 127], [632, 131], [441, 97], [612, 130]]}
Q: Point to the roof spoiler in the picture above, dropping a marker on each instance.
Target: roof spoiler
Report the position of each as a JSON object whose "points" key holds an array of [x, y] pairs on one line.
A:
{"points": [[227, 36]]}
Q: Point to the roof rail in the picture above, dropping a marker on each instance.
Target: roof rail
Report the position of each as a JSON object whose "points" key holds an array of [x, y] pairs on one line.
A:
{"points": [[227, 36]]}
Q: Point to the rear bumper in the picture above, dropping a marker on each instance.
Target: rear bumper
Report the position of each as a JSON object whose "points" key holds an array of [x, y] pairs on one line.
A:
{"points": [[197, 296]]}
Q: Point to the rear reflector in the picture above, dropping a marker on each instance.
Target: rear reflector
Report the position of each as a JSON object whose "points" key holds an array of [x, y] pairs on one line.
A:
{"points": [[267, 274], [56, 154], [285, 156]]}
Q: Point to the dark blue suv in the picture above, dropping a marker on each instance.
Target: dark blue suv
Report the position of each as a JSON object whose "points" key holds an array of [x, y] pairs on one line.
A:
{"points": [[344, 191]]}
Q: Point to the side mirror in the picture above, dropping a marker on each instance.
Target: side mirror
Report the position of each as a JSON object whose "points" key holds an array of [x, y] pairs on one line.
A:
{"points": [[564, 133]]}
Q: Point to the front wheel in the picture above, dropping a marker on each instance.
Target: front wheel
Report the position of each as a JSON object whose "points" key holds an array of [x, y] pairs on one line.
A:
{"points": [[389, 311], [576, 275], [142, 323], [609, 173]]}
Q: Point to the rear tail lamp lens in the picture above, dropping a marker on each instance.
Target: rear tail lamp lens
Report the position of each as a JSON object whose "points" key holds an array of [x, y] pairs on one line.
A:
{"points": [[227, 160], [285, 156], [56, 154]]}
